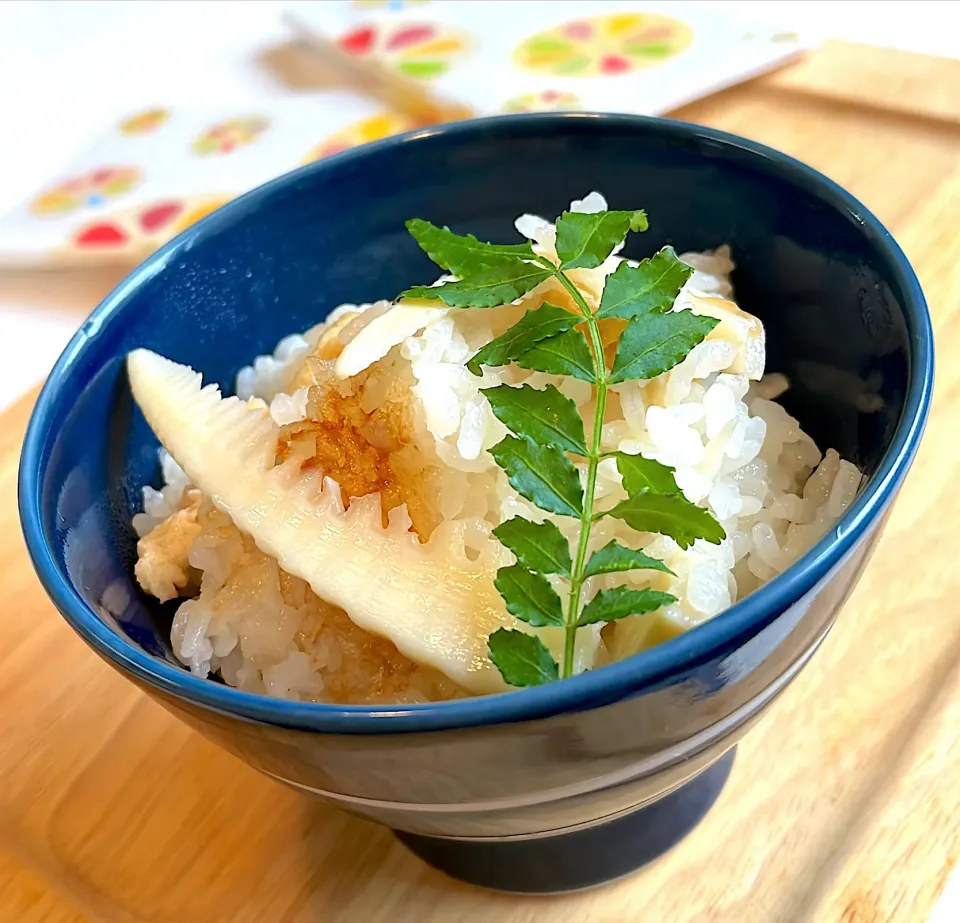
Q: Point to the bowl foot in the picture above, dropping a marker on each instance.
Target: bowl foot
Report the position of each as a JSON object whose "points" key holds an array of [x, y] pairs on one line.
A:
{"points": [[583, 858]]}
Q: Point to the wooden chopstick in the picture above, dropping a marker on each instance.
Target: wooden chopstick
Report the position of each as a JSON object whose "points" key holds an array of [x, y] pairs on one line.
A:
{"points": [[367, 75]]}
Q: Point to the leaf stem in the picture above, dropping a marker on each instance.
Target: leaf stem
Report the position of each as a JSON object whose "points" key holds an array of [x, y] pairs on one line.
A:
{"points": [[593, 461]]}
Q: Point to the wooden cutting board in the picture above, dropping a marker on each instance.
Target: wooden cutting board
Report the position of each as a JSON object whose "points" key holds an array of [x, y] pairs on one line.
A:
{"points": [[843, 806]]}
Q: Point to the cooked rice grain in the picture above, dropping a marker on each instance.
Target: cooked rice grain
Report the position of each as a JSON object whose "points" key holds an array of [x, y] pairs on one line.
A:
{"points": [[410, 423]]}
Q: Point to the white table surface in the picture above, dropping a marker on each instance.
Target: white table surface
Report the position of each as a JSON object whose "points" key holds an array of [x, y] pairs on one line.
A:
{"points": [[69, 68]]}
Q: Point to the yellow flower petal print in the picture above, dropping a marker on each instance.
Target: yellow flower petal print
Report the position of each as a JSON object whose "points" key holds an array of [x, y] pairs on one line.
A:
{"points": [[373, 128], [143, 123], [198, 209]]}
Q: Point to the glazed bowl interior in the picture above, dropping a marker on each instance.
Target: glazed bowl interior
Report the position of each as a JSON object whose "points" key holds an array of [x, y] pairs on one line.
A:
{"points": [[844, 317]]}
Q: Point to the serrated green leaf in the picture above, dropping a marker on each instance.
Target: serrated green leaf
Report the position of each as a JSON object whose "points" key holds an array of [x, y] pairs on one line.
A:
{"points": [[488, 287], [654, 343], [547, 425], [621, 601], [651, 287], [545, 321], [564, 354], [585, 241], [639, 474], [613, 558], [542, 474], [547, 417], [539, 546], [675, 516], [529, 596], [522, 659], [463, 255]]}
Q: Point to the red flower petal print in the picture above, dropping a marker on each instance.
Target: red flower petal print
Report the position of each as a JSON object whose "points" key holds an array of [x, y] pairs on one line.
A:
{"points": [[155, 217], [614, 64], [102, 235], [580, 30], [359, 41], [410, 36]]}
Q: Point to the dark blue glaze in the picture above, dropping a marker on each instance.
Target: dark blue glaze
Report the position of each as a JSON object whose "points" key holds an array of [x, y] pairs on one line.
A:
{"points": [[845, 319], [586, 857]]}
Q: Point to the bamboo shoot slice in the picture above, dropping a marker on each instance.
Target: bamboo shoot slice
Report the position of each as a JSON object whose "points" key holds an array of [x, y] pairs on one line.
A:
{"points": [[437, 609]]}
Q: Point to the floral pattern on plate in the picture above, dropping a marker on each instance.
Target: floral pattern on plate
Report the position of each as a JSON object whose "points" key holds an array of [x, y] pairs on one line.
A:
{"points": [[88, 190], [143, 123], [604, 45], [546, 101], [227, 137], [370, 129], [421, 50]]}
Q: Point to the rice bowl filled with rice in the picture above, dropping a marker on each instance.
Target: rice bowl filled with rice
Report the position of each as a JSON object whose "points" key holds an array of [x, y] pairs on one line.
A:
{"points": [[331, 529]]}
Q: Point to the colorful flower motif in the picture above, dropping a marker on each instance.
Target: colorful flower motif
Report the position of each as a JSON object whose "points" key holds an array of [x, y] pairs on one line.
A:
{"points": [[547, 101], [144, 122], [88, 190], [604, 45], [370, 129], [392, 6], [138, 231], [226, 137], [422, 50]]}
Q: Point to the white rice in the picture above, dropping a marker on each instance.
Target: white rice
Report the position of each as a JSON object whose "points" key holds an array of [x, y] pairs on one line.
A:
{"points": [[159, 505], [734, 450]]}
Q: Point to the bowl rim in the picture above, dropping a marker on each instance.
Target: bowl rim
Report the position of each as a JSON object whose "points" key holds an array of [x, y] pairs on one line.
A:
{"points": [[631, 676]]}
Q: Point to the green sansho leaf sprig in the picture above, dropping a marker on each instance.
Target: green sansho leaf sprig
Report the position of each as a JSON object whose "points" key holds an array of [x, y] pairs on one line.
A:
{"points": [[547, 432]]}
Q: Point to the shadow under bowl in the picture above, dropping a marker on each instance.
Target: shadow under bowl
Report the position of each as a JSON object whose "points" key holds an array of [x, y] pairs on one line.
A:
{"points": [[510, 791]]}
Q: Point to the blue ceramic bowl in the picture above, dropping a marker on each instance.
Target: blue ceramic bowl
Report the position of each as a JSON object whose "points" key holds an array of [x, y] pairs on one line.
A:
{"points": [[561, 786]]}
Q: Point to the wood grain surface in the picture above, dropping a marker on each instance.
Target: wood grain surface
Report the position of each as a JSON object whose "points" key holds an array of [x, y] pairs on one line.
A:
{"points": [[843, 805]]}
